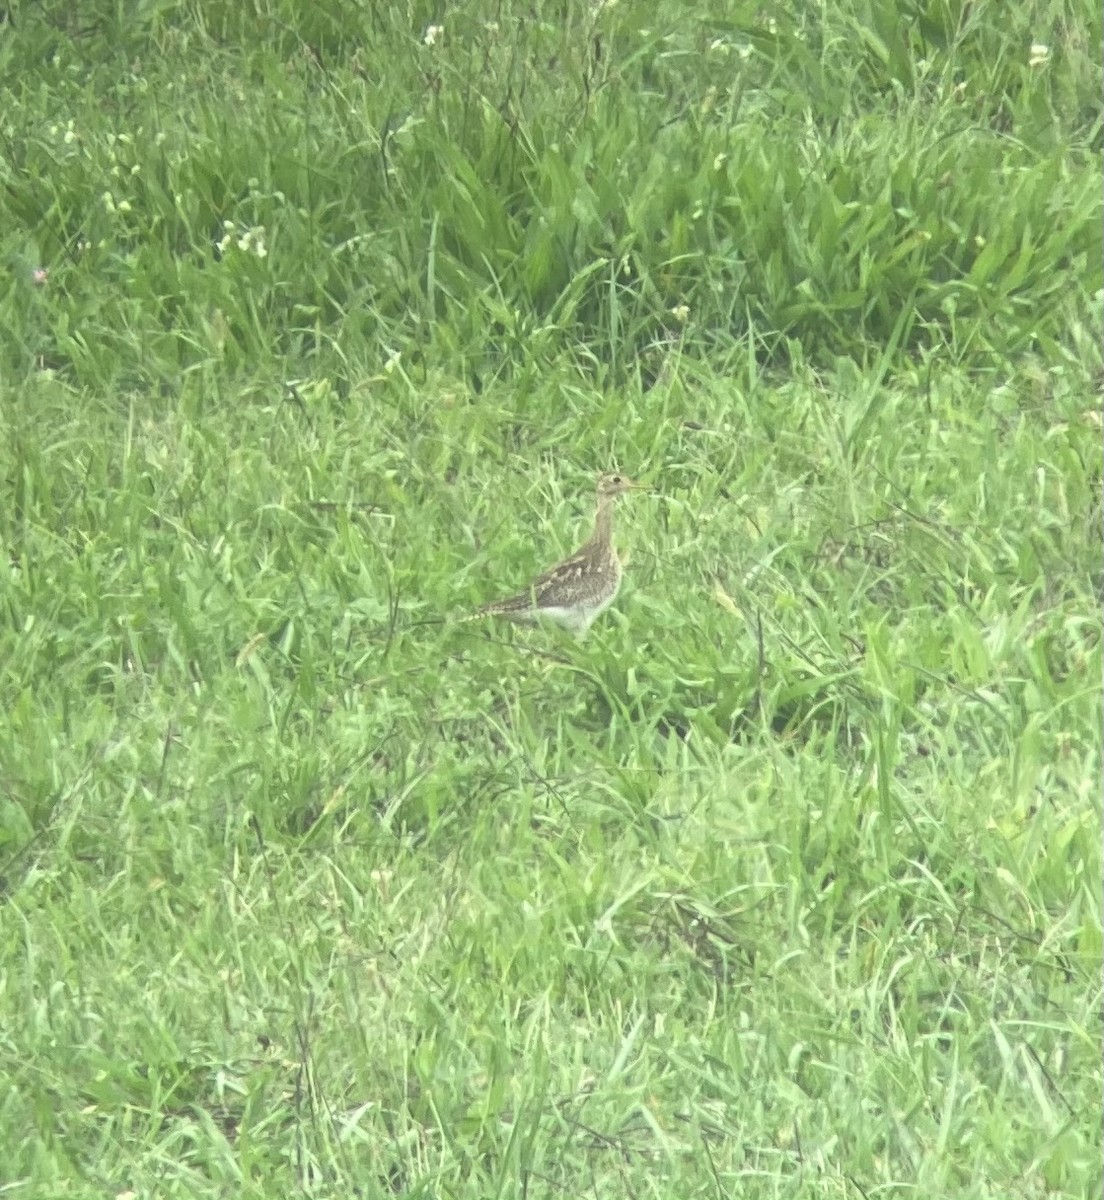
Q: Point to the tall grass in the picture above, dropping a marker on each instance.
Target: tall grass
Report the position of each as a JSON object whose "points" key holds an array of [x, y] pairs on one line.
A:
{"points": [[316, 322]]}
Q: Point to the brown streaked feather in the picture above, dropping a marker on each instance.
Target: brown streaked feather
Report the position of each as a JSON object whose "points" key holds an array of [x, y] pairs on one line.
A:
{"points": [[575, 590], [580, 575]]}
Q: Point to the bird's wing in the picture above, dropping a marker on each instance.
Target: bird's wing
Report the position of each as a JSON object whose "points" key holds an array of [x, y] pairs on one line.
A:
{"points": [[546, 586]]}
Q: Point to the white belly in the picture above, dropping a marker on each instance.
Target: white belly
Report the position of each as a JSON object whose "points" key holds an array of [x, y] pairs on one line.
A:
{"points": [[578, 617]]}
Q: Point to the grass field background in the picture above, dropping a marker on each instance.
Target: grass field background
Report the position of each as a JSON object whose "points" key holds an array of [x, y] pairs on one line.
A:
{"points": [[317, 321]]}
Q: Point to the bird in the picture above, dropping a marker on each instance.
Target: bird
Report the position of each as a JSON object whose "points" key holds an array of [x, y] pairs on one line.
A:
{"points": [[581, 587]]}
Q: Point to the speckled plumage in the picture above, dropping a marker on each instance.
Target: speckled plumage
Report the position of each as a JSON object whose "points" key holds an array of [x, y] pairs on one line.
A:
{"points": [[574, 592]]}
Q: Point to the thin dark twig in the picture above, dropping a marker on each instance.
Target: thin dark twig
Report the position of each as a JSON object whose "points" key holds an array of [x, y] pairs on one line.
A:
{"points": [[1050, 1079], [712, 1166]]}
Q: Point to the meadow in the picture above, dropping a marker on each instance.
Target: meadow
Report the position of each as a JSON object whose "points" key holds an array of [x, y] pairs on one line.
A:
{"points": [[317, 321]]}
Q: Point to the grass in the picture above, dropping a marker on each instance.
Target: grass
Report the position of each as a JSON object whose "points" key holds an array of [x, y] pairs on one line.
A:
{"points": [[786, 882]]}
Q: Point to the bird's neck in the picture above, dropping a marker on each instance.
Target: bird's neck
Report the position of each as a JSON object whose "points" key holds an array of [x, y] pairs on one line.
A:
{"points": [[603, 521]]}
